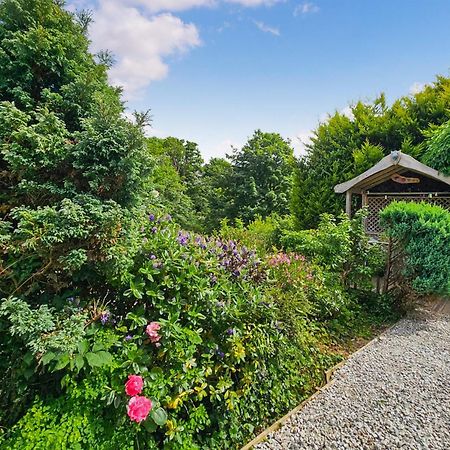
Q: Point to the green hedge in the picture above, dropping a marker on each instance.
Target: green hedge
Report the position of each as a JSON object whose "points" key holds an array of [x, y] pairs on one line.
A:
{"points": [[424, 232]]}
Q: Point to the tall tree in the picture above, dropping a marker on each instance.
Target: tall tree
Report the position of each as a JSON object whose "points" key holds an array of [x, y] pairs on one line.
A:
{"points": [[342, 147], [71, 167], [261, 178], [437, 152], [216, 179]]}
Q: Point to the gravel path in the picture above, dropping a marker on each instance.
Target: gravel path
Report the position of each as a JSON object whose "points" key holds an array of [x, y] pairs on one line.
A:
{"points": [[393, 394]]}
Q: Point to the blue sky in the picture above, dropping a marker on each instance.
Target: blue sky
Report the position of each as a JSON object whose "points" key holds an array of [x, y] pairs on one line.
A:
{"points": [[213, 71]]}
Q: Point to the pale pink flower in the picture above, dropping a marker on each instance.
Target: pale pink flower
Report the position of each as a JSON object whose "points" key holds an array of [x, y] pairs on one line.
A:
{"points": [[152, 331]]}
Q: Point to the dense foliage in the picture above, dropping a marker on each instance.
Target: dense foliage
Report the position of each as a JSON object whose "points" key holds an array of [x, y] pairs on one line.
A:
{"points": [[347, 144], [423, 232], [122, 324], [438, 150], [256, 180], [233, 329]]}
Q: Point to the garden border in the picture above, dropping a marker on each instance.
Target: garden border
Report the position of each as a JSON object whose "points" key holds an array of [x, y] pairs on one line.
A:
{"points": [[329, 381]]}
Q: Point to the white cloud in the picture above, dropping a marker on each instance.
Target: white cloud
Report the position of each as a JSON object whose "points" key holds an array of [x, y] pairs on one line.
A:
{"points": [[305, 8], [169, 5], [416, 87], [266, 28], [139, 43], [300, 141], [218, 149], [182, 5], [347, 112], [253, 3]]}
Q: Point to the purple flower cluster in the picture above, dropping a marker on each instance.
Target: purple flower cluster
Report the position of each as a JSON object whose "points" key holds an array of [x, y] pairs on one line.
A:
{"points": [[237, 260], [183, 238], [105, 317]]}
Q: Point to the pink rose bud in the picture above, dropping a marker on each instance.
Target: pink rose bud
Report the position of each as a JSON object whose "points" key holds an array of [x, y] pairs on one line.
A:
{"points": [[138, 408], [134, 385]]}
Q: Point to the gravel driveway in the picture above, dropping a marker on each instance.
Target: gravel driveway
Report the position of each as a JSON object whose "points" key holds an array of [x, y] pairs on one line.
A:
{"points": [[393, 394]]}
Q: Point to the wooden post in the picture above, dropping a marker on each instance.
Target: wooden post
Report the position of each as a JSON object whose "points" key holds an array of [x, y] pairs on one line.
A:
{"points": [[365, 201], [348, 203]]}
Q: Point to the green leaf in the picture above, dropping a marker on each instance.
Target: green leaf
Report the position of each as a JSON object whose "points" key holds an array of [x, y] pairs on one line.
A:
{"points": [[28, 358], [47, 358], [98, 359], [83, 346], [105, 358], [97, 346], [63, 360], [79, 362], [111, 397], [150, 426], [93, 359], [155, 373], [159, 416]]}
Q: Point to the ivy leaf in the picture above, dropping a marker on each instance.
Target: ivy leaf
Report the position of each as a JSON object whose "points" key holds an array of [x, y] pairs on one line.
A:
{"points": [[159, 416]]}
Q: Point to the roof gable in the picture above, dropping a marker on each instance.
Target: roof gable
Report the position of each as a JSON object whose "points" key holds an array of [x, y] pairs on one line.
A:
{"points": [[396, 162]]}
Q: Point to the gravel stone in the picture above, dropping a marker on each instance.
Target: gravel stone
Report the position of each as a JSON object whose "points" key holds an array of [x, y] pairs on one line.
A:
{"points": [[393, 394]]}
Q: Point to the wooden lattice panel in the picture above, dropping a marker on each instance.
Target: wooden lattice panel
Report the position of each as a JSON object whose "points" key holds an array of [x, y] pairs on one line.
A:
{"points": [[377, 203]]}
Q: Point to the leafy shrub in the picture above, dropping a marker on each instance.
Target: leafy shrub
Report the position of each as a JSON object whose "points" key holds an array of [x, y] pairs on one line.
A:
{"points": [[96, 288], [438, 151], [257, 235], [341, 246], [222, 366], [423, 232]]}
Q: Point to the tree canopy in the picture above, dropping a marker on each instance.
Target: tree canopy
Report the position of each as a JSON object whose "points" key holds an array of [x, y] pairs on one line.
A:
{"points": [[71, 165], [343, 146]]}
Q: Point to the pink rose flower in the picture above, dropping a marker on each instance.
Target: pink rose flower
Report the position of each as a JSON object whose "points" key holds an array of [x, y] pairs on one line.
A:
{"points": [[152, 331], [138, 408], [134, 385]]}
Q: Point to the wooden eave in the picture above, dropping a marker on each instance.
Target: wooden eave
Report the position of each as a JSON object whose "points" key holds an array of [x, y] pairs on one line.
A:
{"points": [[384, 169]]}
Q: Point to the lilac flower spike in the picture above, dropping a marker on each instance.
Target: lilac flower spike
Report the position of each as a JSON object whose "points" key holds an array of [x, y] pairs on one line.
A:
{"points": [[151, 217]]}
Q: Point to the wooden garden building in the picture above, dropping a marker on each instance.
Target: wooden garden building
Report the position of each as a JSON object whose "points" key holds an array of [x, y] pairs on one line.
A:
{"points": [[397, 176]]}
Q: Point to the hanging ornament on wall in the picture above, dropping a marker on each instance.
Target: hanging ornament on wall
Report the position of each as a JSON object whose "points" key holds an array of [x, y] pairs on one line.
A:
{"points": [[404, 180]]}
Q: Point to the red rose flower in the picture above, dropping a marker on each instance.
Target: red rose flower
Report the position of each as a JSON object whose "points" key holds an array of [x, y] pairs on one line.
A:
{"points": [[134, 385], [138, 408]]}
